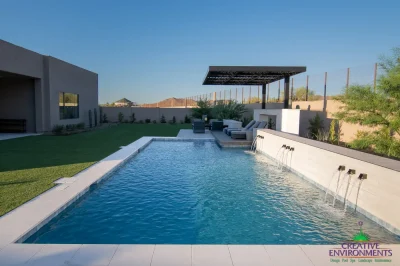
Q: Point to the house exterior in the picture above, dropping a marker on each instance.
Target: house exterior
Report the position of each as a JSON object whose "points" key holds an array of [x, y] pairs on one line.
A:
{"points": [[124, 102], [43, 90]]}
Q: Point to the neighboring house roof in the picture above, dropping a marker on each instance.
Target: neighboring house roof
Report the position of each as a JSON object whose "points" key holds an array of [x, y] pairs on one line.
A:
{"points": [[123, 100]]}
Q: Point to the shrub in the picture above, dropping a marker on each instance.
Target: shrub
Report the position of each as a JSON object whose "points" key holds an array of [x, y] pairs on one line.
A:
{"points": [[101, 115], [154, 121], [181, 122], [105, 118], [316, 124], [162, 120], [133, 118], [58, 129], [332, 132], [141, 122], [95, 117], [187, 119], [81, 125], [271, 124], [70, 127], [230, 110], [120, 117], [173, 120], [90, 118], [147, 120]]}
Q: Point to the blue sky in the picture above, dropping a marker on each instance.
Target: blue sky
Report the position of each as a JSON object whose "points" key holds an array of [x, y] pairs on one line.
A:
{"points": [[151, 50]]}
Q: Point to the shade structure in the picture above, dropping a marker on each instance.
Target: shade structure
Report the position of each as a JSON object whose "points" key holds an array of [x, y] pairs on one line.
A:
{"points": [[249, 75]]}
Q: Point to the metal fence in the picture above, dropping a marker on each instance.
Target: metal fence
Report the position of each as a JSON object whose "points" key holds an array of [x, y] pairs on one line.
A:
{"points": [[303, 87]]}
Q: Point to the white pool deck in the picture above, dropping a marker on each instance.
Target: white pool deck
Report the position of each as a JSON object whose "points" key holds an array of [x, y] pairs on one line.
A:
{"points": [[18, 224]]}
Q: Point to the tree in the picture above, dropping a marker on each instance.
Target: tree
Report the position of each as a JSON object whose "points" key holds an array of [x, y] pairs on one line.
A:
{"points": [[300, 94], [379, 110], [204, 107]]}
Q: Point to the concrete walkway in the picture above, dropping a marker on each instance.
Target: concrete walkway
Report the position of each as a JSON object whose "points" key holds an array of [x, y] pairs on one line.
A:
{"points": [[5, 136]]}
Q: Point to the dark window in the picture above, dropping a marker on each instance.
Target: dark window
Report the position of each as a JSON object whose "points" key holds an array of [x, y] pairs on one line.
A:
{"points": [[69, 105]]}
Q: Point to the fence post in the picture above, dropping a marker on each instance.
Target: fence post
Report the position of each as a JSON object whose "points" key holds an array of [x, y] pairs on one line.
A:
{"points": [[236, 95], [375, 73], [250, 95], [348, 78], [307, 89], [326, 79], [268, 93]]}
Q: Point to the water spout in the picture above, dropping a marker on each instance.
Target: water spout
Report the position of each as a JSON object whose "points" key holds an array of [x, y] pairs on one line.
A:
{"points": [[361, 177], [284, 157], [349, 173], [340, 169]]}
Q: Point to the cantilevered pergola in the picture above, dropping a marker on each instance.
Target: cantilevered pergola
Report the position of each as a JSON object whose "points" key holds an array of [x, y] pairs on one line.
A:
{"points": [[253, 75]]}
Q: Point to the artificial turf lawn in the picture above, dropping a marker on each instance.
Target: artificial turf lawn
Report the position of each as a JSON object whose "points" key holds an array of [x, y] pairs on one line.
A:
{"points": [[30, 165]]}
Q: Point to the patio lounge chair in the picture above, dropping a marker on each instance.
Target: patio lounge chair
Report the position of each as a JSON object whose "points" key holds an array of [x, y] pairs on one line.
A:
{"points": [[247, 127], [243, 133], [198, 126]]}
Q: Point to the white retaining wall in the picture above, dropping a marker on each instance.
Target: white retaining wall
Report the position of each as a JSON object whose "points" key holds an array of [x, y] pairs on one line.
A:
{"points": [[316, 161]]}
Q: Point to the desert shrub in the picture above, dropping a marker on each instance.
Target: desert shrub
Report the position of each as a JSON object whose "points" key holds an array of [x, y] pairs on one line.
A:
{"points": [[120, 117], [105, 118], [316, 125], [133, 118], [162, 119], [81, 125], [101, 115], [147, 120], [187, 119], [70, 127], [95, 117], [58, 129], [230, 110], [90, 118]]}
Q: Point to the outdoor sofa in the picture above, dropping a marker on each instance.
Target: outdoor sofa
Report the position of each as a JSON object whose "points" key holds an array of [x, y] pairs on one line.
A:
{"points": [[242, 134]]}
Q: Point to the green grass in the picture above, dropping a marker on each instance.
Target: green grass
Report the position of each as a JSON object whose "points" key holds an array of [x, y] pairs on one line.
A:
{"points": [[30, 165]]}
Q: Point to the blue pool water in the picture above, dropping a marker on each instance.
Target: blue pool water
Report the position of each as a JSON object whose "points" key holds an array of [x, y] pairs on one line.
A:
{"points": [[196, 193]]}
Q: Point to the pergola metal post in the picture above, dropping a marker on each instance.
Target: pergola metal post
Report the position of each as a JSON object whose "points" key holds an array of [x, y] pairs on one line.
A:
{"points": [[264, 91], [286, 92], [279, 90]]}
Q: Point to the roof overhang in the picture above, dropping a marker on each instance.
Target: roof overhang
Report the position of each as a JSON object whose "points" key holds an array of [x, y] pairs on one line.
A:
{"points": [[249, 75]]}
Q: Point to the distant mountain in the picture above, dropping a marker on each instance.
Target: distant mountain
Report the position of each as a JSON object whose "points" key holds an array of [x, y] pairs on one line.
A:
{"points": [[171, 102]]}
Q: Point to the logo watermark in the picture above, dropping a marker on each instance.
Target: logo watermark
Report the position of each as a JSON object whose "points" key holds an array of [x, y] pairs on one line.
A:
{"points": [[361, 249]]}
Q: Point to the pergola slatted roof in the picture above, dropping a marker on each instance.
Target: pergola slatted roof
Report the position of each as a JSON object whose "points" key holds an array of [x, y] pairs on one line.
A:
{"points": [[249, 75]]}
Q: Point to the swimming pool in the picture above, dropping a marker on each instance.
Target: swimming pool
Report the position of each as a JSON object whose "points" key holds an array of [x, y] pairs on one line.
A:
{"points": [[193, 192]]}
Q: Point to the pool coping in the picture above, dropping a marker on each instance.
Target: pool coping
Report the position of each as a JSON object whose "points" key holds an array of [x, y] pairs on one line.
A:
{"points": [[19, 224]]}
